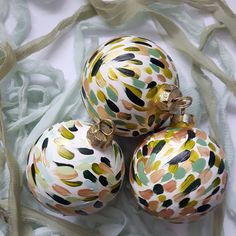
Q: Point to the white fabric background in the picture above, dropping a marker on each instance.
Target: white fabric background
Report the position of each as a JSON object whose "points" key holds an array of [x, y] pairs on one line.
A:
{"points": [[46, 14]]}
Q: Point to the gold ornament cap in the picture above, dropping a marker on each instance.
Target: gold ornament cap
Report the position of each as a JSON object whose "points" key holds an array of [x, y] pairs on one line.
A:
{"points": [[183, 120], [169, 98], [101, 133]]}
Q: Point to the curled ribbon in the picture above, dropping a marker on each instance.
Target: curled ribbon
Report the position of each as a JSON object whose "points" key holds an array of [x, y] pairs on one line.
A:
{"points": [[7, 59]]}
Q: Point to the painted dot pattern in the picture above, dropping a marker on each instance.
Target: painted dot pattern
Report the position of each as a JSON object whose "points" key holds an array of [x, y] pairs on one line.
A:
{"points": [[178, 174], [120, 81], [67, 175]]}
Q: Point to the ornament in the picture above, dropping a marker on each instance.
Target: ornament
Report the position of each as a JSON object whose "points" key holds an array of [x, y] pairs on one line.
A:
{"points": [[178, 174], [130, 80], [74, 168]]}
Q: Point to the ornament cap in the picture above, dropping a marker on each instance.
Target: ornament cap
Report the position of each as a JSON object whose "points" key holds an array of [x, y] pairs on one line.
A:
{"points": [[169, 98], [101, 133], [183, 120]]}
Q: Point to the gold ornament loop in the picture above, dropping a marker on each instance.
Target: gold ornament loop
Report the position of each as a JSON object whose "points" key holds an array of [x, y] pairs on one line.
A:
{"points": [[101, 134], [183, 102], [107, 127]]}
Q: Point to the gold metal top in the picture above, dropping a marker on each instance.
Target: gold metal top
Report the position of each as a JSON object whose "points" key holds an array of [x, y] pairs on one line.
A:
{"points": [[183, 120], [101, 134], [181, 103], [169, 98]]}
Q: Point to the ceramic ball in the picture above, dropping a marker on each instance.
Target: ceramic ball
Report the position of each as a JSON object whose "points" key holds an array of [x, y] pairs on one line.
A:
{"points": [[120, 82], [178, 174], [68, 175]]}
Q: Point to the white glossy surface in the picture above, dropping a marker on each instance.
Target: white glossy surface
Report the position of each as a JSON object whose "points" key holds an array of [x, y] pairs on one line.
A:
{"points": [[66, 174], [125, 106]]}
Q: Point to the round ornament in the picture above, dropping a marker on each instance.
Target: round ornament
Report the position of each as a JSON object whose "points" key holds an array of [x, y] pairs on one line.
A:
{"points": [[74, 168], [126, 80], [178, 174]]}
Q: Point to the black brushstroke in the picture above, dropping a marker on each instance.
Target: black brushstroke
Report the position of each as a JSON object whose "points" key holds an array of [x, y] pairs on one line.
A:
{"points": [[126, 72], [96, 67], [143, 43], [124, 57], [112, 106], [86, 151], [45, 143], [157, 62], [73, 128], [59, 199], [193, 186], [132, 97], [181, 157]]}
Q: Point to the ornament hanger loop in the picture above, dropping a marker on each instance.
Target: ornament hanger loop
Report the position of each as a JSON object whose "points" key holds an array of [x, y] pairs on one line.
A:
{"points": [[106, 127], [182, 102]]}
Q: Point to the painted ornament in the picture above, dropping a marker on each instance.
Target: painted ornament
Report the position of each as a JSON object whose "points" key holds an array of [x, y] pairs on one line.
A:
{"points": [[125, 80], [74, 168], [178, 174]]}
